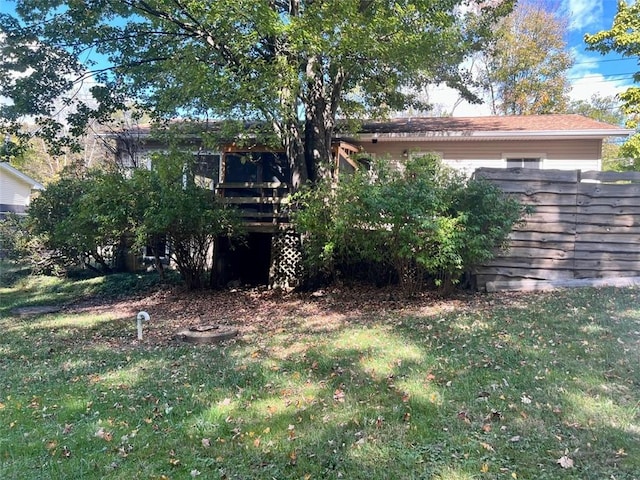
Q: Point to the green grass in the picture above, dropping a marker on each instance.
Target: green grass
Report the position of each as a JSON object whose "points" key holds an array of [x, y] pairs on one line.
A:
{"points": [[499, 387]]}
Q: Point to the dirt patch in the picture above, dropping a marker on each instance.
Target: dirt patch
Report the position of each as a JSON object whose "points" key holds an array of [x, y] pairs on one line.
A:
{"points": [[255, 312]]}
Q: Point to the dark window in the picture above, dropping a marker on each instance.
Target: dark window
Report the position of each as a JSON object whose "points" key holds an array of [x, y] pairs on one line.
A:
{"points": [[256, 167], [276, 168], [206, 169], [159, 246], [523, 163]]}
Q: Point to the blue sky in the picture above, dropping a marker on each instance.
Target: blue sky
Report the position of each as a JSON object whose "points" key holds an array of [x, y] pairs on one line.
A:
{"points": [[592, 72]]}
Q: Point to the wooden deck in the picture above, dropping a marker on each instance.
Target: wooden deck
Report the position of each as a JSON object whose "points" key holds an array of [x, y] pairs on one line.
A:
{"points": [[262, 205]]}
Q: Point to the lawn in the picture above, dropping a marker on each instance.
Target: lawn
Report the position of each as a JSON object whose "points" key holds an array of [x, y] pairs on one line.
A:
{"points": [[351, 383]]}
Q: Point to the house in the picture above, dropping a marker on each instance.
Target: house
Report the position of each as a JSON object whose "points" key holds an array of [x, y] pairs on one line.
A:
{"points": [[256, 180], [564, 142], [16, 189]]}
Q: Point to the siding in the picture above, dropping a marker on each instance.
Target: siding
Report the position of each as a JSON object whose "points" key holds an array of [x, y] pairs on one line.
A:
{"points": [[469, 155], [13, 190]]}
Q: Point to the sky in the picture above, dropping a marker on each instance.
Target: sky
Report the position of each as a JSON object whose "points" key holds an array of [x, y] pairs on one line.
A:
{"points": [[591, 74]]}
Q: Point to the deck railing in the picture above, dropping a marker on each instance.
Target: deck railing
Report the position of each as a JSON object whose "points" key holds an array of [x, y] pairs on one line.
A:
{"points": [[262, 205]]}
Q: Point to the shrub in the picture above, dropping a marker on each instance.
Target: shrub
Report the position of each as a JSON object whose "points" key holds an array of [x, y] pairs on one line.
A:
{"points": [[189, 217], [100, 215], [83, 219], [426, 220]]}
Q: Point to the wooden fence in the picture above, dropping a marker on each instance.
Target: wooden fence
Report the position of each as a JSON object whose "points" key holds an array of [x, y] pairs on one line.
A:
{"points": [[585, 225]]}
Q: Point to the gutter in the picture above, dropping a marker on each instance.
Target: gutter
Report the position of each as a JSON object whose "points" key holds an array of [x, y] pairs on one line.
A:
{"points": [[495, 135]]}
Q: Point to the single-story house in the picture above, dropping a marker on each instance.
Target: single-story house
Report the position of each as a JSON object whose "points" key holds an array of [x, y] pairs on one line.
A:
{"points": [[16, 190], [257, 180], [565, 142]]}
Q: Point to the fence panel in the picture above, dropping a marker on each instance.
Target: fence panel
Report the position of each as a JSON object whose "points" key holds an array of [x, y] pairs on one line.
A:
{"points": [[586, 225]]}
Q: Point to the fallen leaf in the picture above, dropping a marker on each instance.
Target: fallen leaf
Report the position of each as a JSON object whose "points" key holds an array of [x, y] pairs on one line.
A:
{"points": [[494, 416], [486, 446], [565, 462], [484, 468], [104, 435], [462, 415]]}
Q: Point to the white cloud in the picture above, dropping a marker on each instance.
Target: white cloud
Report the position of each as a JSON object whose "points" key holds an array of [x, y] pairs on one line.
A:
{"points": [[595, 84], [586, 80], [584, 14]]}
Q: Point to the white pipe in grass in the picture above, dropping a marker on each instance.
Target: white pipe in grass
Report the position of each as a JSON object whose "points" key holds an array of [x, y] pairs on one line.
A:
{"points": [[141, 316]]}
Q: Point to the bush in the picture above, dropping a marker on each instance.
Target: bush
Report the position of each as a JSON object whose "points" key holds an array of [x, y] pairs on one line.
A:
{"points": [[96, 217], [426, 221], [189, 217]]}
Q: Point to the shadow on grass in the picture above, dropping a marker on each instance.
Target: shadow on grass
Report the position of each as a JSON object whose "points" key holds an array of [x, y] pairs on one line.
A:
{"points": [[483, 392]]}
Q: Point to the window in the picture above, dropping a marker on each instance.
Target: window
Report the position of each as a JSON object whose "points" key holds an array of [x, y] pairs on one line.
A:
{"points": [[257, 167], [525, 162], [206, 170], [158, 246]]}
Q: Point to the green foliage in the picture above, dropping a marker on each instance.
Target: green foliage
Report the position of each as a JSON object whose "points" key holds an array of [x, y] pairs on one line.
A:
{"points": [[12, 238], [100, 216], [622, 38], [275, 61], [525, 68], [170, 206], [427, 218], [84, 217]]}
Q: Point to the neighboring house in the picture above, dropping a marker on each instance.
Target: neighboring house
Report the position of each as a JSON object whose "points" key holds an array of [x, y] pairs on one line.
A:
{"points": [[257, 179], [16, 189], [565, 142]]}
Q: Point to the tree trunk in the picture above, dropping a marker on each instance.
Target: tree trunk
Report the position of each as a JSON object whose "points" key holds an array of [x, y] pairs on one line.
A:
{"points": [[295, 150], [317, 149], [320, 109]]}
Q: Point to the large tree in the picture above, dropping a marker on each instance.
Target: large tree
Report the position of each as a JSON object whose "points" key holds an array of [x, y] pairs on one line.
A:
{"points": [[524, 71], [623, 38], [294, 65]]}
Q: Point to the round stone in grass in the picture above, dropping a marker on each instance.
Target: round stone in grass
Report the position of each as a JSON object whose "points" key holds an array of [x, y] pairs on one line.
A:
{"points": [[206, 334]]}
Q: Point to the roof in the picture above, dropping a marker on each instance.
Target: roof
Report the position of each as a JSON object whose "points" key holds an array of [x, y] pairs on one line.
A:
{"points": [[512, 127], [35, 185]]}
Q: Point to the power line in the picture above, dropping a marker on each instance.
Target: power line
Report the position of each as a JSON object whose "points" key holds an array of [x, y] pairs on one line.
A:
{"points": [[606, 60]]}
